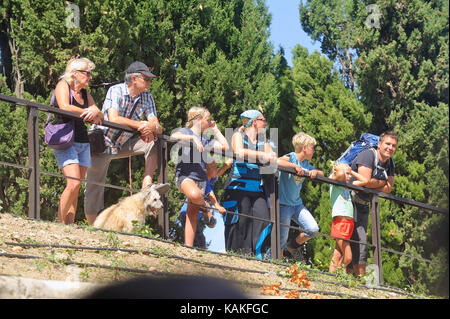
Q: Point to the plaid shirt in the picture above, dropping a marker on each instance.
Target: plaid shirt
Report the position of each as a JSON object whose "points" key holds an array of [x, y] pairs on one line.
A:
{"points": [[119, 99]]}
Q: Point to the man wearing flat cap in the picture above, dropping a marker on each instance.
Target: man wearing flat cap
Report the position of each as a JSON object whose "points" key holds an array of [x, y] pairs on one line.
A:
{"points": [[125, 103]]}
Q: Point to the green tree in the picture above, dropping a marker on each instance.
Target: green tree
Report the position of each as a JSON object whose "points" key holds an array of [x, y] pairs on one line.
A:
{"points": [[398, 56], [215, 53], [322, 106]]}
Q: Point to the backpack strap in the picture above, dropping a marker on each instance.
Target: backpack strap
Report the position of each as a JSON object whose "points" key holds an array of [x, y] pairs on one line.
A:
{"points": [[376, 162], [114, 139], [374, 150]]}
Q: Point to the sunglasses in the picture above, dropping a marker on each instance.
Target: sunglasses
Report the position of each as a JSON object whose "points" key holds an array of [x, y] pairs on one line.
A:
{"points": [[263, 119], [145, 78], [88, 73]]}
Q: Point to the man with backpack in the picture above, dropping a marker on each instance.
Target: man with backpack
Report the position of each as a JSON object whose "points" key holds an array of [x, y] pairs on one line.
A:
{"points": [[376, 165]]}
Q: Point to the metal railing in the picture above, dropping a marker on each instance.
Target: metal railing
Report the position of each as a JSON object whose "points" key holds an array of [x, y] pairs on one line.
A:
{"points": [[163, 158]]}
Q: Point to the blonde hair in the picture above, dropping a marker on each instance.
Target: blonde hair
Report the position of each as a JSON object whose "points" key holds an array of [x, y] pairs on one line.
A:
{"points": [[195, 113], [244, 124], [337, 167], [74, 65], [302, 139]]}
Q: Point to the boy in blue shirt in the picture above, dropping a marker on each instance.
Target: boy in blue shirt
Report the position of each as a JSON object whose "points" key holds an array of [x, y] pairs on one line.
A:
{"points": [[291, 205]]}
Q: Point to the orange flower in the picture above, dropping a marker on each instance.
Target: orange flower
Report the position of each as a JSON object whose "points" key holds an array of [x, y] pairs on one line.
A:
{"points": [[293, 294], [292, 270], [271, 290], [299, 279]]}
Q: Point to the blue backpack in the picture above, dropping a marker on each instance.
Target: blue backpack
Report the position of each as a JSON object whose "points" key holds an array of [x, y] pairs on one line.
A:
{"points": [[366, 140]]}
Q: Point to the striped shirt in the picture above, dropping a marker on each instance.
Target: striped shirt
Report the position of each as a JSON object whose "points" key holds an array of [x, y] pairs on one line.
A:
{"points": [[118, 98]]}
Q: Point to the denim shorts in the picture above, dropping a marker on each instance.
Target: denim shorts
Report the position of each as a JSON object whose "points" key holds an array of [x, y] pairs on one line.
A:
{"points": [[78, 153], [200, 184], [301, 216]]}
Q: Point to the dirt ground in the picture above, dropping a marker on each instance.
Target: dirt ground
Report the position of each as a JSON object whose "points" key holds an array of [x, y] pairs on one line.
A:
{"points": [[52, 251]]}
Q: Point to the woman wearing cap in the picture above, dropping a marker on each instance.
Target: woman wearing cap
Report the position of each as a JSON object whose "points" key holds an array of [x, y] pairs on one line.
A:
{"points": [[71, 95], [244, 192]]}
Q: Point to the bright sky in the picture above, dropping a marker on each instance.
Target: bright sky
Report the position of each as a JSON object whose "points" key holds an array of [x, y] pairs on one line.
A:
{"points": [[286, 30]]}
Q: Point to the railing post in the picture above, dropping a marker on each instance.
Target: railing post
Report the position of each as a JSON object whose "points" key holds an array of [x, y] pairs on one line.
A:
{"points": [[275, 218], [163, 217], [376, 236], [33, 159]]}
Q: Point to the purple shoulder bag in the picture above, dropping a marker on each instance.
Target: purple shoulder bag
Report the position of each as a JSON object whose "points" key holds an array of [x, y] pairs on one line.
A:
{"points": [[59, 136]]}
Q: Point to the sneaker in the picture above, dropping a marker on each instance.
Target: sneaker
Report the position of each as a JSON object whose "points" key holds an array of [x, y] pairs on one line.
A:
{"points": [[306, 258], [210, 222], [296, 253]]}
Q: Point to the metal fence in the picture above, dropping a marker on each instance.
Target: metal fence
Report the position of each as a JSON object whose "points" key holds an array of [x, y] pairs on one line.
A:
{"points": [[163, 144]]}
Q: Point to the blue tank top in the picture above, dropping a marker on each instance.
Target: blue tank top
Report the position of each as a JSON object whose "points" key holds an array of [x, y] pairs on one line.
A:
{"points": [[246, 175]]}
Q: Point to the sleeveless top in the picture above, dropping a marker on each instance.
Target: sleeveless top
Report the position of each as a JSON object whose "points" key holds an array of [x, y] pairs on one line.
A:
{"points": [[341, 201], [191, 163], [80, 129], [246, 176]]}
